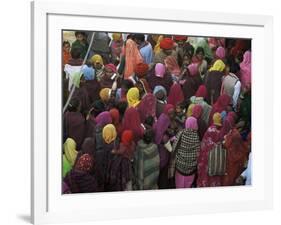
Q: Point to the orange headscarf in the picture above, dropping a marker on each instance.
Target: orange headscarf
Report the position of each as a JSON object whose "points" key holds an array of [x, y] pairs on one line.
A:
{"points": [[132, 58]]}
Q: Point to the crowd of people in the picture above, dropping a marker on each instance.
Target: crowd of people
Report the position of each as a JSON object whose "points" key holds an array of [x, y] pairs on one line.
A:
{"points": [[150, 111]]}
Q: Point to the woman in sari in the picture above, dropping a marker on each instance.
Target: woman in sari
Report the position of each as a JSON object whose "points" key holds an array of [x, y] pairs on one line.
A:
{"points": [[133, 97], [176, 95], [245, 70], [147, 107], [97, 63], [172, 66], [159, 76], [213, 81], [116, 47], [74, 122], [131, 121], [102, 120], [162, 137], [222, 104], [115, 115], [186, 147], [199, 59], [127, 145], [190, 81], [69, 155], [107, 79], [143, 87], [237, 156], [200, 98], [132, 58], [79, 179], [197, 113], [107, 142], [210, 139], [119, 171], [160, 94], [81, 92]]}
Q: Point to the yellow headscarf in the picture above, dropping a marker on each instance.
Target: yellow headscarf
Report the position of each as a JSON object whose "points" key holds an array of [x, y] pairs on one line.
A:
{"points": [[105, 94], [97, 59], [109, 133], [133, 96], [189, 110], [116, 36], [157, 46], [70, 150], [218, 66], [217, 119]]}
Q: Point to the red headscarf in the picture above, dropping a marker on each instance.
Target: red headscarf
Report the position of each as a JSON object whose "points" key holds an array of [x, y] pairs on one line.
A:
{"points": [[176, 95], [180, 38], [141, 70], [147, 107], [127, 137], [131, 121], [197, 111], [167, 43], [202, 91], [220, 105], [111, 67], [172, 65], [167, 108], [115, 115]]}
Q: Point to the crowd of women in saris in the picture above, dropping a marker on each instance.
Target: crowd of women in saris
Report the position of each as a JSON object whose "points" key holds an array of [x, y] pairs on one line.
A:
{"points": [[147, 110]]}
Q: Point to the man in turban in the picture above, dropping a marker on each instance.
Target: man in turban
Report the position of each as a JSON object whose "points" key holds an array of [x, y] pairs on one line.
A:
{"points": [[167, 46]]}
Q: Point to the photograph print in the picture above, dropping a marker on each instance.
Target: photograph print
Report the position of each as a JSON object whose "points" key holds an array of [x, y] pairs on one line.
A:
{"points": [[154, 111]]}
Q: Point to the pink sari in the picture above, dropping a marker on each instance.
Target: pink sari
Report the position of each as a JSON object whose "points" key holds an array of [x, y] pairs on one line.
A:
{"points": [[211, 137], [245, 70]]}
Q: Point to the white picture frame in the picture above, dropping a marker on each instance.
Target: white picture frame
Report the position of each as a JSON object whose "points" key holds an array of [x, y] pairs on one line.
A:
{"points": [[48, 205]]}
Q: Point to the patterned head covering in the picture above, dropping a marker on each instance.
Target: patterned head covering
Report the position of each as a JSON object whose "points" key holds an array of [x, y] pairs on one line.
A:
{"points": [[84, 163]]}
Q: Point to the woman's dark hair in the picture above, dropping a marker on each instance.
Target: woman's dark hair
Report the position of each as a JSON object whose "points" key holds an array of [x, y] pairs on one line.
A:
{"points": [[234, 67], [148, 136], [188, 50], [200, 50], [139, 37], [73, 105], [76, 52], [64, 43], [149, 120], [80, 32], [127, 83], [97, 107], [122, 106]]}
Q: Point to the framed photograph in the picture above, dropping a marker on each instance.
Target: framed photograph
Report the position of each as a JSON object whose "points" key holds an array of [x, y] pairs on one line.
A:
{"points": [[162, 113]]}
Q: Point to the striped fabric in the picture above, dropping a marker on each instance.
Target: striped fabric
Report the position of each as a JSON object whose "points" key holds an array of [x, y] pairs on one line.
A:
{"points": [[217, 161], [146, 166]]}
